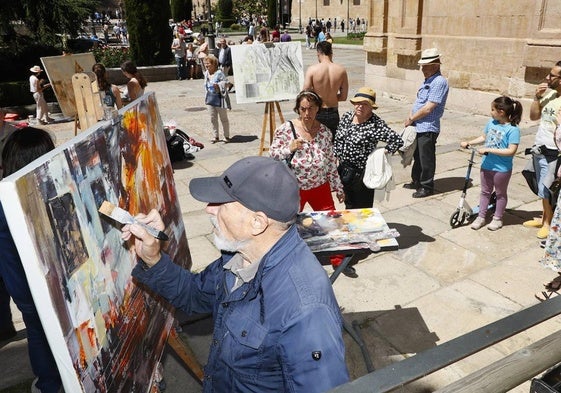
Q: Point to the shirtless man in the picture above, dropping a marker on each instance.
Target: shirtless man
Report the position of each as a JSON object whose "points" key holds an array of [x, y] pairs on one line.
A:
{"points": [[330, 81]]}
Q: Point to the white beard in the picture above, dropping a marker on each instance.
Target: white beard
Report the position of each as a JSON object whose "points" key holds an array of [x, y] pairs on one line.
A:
{"points": [[221, 242]]}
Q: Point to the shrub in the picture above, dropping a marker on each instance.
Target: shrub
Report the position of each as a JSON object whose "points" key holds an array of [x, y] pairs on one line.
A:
{"points": [[111, 57], [235, 27], [356, 36]]}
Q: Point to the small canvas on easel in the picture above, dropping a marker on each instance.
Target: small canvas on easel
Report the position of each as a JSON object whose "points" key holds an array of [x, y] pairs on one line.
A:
{"points": [[267, 72], [60, 69], [106, 334]]}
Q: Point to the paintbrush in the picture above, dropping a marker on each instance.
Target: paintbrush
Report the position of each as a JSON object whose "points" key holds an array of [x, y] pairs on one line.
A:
{"points": [[124, 217]]}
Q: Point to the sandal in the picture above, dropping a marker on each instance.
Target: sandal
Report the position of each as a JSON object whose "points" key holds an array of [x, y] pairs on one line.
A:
{"points": [[543, 296], [555, 284]]}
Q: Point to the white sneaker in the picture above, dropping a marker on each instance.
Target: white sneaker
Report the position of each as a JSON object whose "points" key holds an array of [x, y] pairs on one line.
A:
{"points": [[478, 223], [495, 224]]}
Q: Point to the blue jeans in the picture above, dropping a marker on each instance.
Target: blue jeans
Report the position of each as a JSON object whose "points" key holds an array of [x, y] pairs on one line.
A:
{"points": [[12, 273], [545, 174], [181, 70]]}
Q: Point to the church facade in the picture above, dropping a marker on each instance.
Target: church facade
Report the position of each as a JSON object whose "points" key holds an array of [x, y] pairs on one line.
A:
{"points": [[488, 48]]}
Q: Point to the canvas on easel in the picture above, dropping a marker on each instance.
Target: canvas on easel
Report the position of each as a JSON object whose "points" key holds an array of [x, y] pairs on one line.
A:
{"points": [[60, 69], [267, 72], [106, 333]]}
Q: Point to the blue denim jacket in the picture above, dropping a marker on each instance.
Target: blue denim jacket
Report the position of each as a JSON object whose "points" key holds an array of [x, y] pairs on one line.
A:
{"points": [[280, 332]]}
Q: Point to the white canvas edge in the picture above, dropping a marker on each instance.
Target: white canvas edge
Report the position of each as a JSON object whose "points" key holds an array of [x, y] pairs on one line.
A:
{"points": [[38, 285]]}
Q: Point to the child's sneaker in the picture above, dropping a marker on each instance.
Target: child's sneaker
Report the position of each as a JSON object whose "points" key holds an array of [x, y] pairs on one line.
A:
{"points": [[495, 224], [478, 223]]}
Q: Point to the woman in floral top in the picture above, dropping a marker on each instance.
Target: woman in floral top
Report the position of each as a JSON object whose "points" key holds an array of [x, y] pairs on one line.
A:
{"points": [[357, 136], [313, 161]]}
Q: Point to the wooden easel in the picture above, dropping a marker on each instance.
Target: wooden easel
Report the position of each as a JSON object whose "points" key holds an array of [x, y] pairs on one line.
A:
{"points": [[186, 354], [269, 115], [88, 101]]}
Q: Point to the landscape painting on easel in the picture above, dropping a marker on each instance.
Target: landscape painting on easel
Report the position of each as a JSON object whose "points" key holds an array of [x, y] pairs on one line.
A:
{"points": [[60, 69], [267, 72], [106, 333]]}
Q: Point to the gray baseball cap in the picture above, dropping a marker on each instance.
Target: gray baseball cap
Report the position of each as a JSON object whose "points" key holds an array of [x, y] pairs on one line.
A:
{"points": [[258, 183]]}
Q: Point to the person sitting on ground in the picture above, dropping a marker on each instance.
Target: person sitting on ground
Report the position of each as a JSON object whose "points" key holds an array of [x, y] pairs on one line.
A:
{"points": [[277, 324], [112, 94], [137, 83]]}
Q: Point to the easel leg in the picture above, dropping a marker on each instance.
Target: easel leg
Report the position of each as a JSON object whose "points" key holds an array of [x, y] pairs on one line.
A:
{"points": [[269, 115], [186, 354], [263, 129], [281, 117]]}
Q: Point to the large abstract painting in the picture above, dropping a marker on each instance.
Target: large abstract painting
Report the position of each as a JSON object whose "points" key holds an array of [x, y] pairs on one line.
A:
{"points": [[60, 69], [106, 333], [267, 72]]}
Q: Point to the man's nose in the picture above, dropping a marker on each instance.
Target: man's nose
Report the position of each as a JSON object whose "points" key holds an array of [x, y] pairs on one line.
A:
{"points": [[212, 208]]}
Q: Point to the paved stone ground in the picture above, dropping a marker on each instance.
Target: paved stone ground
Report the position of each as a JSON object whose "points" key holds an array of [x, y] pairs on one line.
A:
{"points": [[440, 284]]}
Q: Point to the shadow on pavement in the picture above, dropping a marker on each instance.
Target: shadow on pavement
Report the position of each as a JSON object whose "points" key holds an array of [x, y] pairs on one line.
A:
{"points": [[242, 138], [448, 184], [410, 235]]}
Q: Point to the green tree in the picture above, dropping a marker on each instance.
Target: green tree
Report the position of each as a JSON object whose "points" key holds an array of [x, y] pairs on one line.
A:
{"points": [[43, 21], [225, 14], [249, 7], [181, 9], [149, 32], [272, 13]]}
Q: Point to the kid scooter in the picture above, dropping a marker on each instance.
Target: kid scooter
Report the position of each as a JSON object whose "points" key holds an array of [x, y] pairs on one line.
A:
{"points": [[464, 212]]}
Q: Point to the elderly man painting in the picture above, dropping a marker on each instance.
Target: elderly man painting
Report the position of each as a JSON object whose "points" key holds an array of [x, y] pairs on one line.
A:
{"points": [[277, 325]]}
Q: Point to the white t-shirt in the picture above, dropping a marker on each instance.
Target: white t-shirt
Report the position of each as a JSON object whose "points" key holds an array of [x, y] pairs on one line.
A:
{"points": [[548, 120]]}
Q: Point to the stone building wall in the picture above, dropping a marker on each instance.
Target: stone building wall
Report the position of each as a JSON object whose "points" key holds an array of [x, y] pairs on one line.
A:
{"points": [[489, 48], [339, 9]]}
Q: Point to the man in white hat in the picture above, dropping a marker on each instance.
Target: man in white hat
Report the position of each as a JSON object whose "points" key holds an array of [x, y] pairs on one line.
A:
{"points": [[36, 88], [425, 116]]}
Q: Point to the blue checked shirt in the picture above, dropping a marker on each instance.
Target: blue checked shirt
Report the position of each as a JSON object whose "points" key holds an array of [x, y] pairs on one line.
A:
{"points": [[433, 89]]}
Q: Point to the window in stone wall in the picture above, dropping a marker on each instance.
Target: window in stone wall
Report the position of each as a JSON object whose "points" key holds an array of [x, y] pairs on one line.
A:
{"points": [[326, 3], [356, 2]]}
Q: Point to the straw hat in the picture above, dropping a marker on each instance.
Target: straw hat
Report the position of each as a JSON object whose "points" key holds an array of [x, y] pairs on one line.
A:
{"points": [[365, 94], [430, 55], [35, 69]]}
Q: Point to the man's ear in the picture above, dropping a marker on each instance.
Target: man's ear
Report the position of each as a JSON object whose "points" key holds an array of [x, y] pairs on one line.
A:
{"points": [[259, 223]]}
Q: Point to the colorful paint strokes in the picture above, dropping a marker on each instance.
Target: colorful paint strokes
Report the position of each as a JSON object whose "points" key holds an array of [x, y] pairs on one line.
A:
{"points": [[107, 334]]}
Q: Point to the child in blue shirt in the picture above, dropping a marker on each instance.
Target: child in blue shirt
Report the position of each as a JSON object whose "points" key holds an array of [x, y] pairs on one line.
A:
{"points": [[502, 137]]}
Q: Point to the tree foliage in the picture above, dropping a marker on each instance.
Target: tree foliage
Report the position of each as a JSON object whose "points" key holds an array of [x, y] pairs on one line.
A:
{"points": [[181, 9], [249, 7], [272, 13], [43, 21], [225, 10], [150, 35]]}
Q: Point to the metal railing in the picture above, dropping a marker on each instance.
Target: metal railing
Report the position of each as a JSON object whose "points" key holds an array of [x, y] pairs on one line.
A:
{"points": [[500, 376]]}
